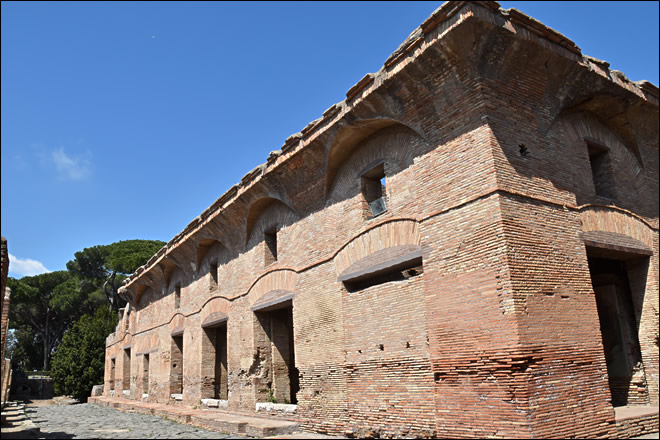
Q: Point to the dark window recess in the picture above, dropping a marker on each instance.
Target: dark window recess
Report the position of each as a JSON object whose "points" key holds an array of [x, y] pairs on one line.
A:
{"points": [[214, 276], [176, 365], [270, 240], [386, 277], [112, 374], [601, 170], [374, 191], [177, 296], [145, 374]]}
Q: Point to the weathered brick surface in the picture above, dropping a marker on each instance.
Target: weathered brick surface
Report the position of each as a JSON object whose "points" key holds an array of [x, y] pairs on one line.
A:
{"points": [[637, 426], [484, 124], [5, 300]]}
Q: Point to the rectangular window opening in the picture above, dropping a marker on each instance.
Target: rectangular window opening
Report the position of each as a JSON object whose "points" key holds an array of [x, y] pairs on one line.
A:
{"points": [[177, 296], [213, 271], [373, 184], [601, 170], [382, 278], [270, 240], [145, 375]]}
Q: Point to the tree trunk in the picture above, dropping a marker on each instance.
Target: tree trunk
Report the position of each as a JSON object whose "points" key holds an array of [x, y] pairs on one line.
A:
{"points": [[46, 342]]}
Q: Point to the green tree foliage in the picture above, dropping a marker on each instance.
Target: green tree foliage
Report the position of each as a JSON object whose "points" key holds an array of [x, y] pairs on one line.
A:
{"points": [[24, 348], [78, 362], [43, 307], [47, 305], [101, 269]]}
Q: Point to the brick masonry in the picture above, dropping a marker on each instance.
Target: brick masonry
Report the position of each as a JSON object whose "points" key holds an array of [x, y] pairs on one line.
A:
{"points": [[490, 130], [5, 301]]}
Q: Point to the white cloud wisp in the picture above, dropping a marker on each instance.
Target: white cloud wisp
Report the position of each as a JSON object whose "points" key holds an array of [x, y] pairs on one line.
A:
{"points": [[71, 168], [25, 267]]}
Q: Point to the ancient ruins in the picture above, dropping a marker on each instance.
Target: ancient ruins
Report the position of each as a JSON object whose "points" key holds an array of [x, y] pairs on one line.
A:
{"points": [[466, 246]]}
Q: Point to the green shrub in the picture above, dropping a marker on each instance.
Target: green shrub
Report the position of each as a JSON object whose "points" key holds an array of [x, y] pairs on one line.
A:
{"points": [[78, 362]]}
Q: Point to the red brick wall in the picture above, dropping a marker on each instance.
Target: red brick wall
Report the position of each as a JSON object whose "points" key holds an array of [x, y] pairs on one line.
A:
{"points": [[481, 131]]}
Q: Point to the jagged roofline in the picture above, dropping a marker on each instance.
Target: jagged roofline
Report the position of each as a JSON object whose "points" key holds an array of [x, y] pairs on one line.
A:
{"points": [[446, 17]]}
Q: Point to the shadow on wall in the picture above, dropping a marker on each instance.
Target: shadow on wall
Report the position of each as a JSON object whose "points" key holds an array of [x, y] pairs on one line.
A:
{"points": [[24, 387], [561, 124]]}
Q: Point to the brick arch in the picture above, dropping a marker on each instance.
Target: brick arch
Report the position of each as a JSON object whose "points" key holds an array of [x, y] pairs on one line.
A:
{"points": [[145, 295], [264, 214], [210, 250], [393, 234], [126, 340], [391, 142], [202, 247], [618, 221], [214, 309], [577, 128], [177, 323], [176, 275], [277, 280]]}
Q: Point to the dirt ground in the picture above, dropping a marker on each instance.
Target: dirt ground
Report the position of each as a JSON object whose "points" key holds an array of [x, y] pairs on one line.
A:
{"points": [[59, 400]]}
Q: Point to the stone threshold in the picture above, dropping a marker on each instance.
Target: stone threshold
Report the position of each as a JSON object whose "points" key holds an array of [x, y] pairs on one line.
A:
{"points": [[212, 420], [630, 412], [635, 421]]}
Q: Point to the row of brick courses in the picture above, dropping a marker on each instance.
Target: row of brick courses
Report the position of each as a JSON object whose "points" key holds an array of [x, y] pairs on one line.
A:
{"points": [[471, 338], [499, 336], [5, 300], [637, 426], [556, 169]]}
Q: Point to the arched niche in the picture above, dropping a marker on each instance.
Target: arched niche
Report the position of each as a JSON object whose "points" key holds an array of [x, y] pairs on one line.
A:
{"points": [[358, 146], [208, 249], [266, 214], [587, 138]]}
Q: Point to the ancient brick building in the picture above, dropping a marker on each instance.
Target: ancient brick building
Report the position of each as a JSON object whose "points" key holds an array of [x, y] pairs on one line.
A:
{"points": [[467, 246]]}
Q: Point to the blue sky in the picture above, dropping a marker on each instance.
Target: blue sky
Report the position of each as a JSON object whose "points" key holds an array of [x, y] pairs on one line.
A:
{"points": [[126, 120]]}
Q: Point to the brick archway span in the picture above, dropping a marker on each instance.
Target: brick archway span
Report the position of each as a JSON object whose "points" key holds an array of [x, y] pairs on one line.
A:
{"points": [[277, 280], [214, 308], [608, 219], [177, 324], [392, 234]]}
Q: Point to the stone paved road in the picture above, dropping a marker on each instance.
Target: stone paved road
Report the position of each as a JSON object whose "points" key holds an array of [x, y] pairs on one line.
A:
{"points": [[87, 421]]}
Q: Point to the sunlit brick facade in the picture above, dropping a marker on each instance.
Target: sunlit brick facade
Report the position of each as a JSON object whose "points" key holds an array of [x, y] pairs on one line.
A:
{"points": [[467, 246]]}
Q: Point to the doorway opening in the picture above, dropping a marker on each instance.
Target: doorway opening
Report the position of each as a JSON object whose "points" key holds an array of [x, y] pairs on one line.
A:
{"points": [[275, 344], [214, 362], [176, 365], [112, 374], [126, 370], [145, 374], [618, 291]]}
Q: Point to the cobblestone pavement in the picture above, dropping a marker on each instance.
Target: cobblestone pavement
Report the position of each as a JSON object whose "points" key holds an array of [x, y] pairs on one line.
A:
{"points": [[87, 421]]}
